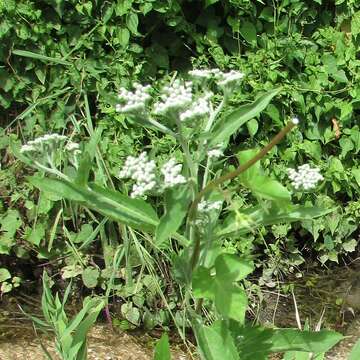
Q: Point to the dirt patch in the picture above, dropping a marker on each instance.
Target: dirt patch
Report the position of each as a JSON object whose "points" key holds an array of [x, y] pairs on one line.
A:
{"points": [[104, 344]]}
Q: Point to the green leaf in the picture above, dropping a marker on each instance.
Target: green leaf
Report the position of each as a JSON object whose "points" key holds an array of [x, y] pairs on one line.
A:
{"points": [[162, 348], [215, 342], [231, 301], [258, 342], [176, 206], [210, 2], [203, 284], [356, 174], [132, 22], [37, 234], [310, 341], [355, 351], [44, 58], [133, 212], [90, 277], [9, 224], [123, 36], [4, 274], [230, 268], [227, 126], [261, 185], [248, 32], [249, 219], [355, 24]]}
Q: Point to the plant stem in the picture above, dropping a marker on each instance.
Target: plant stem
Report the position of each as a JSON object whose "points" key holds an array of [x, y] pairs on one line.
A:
{"points": [[231, 175]]}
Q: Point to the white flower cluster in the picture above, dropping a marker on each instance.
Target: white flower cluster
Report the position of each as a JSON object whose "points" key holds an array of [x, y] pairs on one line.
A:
{"points": [[208, 206], [225, 79], [133, 101], [144, 172], [174, 97], [171, 172], [215, 153], [306, 177], [230, 78], [199, 108], [42, 144]]}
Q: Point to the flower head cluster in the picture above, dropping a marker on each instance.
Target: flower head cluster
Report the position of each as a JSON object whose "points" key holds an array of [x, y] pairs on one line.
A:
{"points": [[224, 79], [199, 108], [133, 101], [215, 153], [206, 206], [43, 144], [172, 174], [306, 177], [204, 210], [175, 97], [142, 171], [230, 78], [146, 176]]}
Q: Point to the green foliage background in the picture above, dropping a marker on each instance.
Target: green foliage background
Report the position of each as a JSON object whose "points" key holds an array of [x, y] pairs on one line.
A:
{"points": [[61, 62]]}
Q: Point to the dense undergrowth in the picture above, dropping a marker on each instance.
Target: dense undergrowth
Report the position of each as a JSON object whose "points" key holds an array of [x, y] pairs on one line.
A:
{"points": [[61, 65]]}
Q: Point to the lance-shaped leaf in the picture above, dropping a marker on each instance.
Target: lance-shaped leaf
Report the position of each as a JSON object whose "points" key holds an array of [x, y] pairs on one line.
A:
{"points": [[247, 220], [133, 212], [228, 125], [176, 206]]}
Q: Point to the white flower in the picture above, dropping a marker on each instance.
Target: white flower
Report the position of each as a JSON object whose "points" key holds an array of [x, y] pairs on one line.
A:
{"points": [[208, 206], [171, 172], [201, 74], [72, 146], [295, 120], [142, 171], [215, 153], [230, 78], [199, 108], [27, 149], [306, 177], [133, 101], [174, 98], [43, 144]]}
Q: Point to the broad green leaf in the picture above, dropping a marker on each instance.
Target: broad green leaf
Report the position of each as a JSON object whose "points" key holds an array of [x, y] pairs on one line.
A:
{"points": [[176, 206], [355, 24], [310, 341], [203, 284], [228, 125], [90, 277], [248, 32], [258, 342], [123, 36], [230, 268], [37, 234], [269, 189], [356, 174], [249, 219], [259, 184], [132, 22], [9, 224], [231, 301], [355, 351], [133, 212], [214, 342], [4, 274], [162, 348], [210, 2]]}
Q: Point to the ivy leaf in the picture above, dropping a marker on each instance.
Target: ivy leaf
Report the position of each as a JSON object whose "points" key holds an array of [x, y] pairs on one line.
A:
{"points": [[248, 32], [132, 22]]}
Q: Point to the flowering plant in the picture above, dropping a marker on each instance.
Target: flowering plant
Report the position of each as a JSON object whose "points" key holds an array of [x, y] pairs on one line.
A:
{"points": [[197, 213]]}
